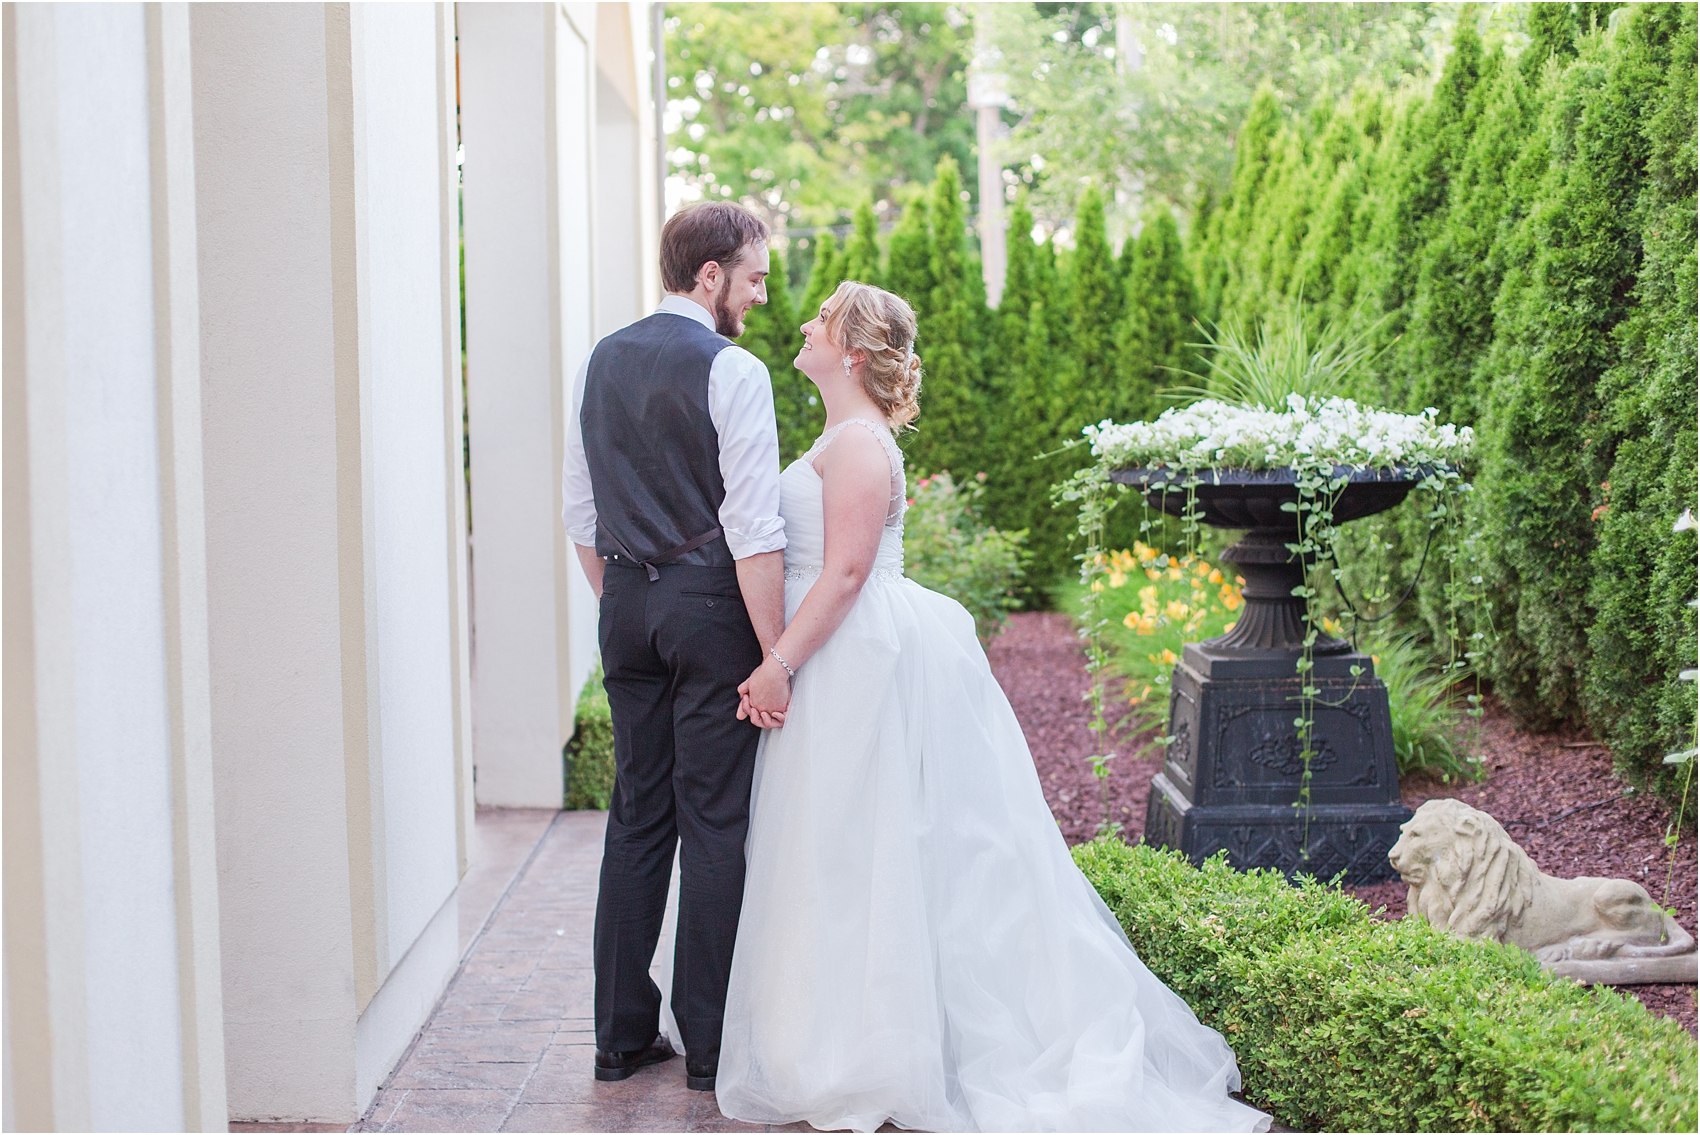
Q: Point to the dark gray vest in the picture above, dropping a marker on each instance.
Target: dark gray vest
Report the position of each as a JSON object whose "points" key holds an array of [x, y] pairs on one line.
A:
{"points": [[652, 448]]}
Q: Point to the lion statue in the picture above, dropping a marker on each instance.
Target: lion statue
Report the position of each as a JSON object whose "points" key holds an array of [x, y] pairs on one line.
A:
{"points": [[1467, 876]]}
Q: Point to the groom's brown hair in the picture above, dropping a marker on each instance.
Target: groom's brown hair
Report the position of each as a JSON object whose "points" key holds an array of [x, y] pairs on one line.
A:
{"points": [[717, 231]]}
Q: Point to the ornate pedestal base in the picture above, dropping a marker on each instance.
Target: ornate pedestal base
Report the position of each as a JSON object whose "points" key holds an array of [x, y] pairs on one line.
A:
{"points": [[1232, 775]]}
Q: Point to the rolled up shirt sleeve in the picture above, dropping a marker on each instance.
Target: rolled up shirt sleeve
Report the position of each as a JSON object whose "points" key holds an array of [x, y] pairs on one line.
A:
{"points": [[740, 403], [578, 503]]}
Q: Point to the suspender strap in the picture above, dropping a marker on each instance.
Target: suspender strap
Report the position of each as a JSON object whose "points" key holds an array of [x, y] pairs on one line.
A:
{"points": [[665, 557]]}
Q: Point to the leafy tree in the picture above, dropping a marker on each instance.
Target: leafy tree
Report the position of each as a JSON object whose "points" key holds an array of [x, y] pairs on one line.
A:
{"points": [[801, 111], [862, 250], [1163, 128]]}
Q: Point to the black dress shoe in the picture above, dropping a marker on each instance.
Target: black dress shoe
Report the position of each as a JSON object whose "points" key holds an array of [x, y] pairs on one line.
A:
{"points": [[619, 1065], [700, 1077]]}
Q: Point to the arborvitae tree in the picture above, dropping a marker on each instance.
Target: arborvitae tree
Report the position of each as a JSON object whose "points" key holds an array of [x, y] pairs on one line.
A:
{"points": [[1219, 264], [1543, 462], [862, 250], [1007, 437], [1643, 573], [1554, 30], [826, 275], [1157, 320], [909, 271], [1040, 423], [1094, 305], [952, 417], [1451, 326], [1415, 205], [771, 334]]}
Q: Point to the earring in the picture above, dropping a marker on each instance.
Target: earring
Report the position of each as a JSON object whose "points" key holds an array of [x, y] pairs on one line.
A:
{"points": [[846, 366]]}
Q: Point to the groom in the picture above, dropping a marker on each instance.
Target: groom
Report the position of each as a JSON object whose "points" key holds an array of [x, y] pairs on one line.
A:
{"points": [[671, 498]]}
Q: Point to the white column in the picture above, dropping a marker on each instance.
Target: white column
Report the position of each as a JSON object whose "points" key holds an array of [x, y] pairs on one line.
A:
{"points": [[323, 161], [111, 943], [527, 122]]}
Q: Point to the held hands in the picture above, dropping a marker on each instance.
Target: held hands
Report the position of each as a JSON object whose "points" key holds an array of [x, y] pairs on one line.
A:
{"points": [[764, 696]]}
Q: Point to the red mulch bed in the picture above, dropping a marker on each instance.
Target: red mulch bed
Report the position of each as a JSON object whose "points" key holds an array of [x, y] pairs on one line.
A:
{"points": [[1554, 793]]}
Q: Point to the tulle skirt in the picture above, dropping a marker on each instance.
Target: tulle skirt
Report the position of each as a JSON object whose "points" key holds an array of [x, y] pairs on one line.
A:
{"points": [[916, 944]]}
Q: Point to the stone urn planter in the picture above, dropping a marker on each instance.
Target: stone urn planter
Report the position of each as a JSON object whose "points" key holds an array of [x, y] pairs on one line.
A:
{"points": [[1232, 772]]}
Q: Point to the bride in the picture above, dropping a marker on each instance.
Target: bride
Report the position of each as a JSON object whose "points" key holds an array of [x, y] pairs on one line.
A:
{"points": [[916, 945]]}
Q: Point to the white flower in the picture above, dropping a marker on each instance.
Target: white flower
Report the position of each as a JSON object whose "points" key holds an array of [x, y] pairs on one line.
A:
{"points": [[1335, 431]]}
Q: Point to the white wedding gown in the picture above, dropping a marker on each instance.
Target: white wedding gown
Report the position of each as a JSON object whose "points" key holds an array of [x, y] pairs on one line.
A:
{"points": [[916, 945]]}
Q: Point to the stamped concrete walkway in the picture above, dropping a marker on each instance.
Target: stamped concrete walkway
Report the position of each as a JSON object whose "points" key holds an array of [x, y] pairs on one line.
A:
{"points": [[510, 1047]]}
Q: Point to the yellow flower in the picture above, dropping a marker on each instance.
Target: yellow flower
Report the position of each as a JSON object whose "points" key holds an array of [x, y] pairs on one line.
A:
{"points": [[1330, 625], [1145, 552], [1239, 581], [1134, 621], [1153, 573], [1117, 578], [1148, 600], [1231, 600], [1175, 609], [1215, 575], [1167, 658], [1226, 627], [1097, 585], [1174, 573], [1140, 696]]}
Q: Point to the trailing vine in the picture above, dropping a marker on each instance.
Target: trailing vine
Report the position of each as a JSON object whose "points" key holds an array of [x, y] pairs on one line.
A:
{"points": [[1193, 440]]}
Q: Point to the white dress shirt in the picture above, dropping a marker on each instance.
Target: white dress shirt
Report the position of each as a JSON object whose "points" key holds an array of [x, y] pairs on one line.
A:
{"points": [[740, 403]]}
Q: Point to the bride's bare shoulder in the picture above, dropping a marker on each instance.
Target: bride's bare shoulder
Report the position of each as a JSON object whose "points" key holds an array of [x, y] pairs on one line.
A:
{"points": [[855, 455]]}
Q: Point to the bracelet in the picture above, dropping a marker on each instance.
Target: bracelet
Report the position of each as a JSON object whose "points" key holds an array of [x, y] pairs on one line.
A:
{"points": [[782, 662]]}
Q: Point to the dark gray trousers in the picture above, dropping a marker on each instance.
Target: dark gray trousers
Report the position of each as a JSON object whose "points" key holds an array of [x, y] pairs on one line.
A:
{"points": [[673, 652]]}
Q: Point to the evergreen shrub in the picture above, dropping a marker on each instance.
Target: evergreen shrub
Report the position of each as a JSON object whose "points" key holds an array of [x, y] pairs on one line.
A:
{"points": [[590, 753], [1342, 1022]]}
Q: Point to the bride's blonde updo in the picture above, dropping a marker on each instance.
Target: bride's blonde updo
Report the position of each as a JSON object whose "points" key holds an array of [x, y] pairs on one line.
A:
{"points": [[880, 325]]}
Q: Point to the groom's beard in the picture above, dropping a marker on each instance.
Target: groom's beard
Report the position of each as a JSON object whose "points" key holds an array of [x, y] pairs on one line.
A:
{"points": [[724, 321]]}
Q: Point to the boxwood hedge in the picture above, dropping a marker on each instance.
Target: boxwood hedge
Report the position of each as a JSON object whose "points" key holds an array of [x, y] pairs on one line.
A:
{"points": [[589, 755], [1344, 1022]]}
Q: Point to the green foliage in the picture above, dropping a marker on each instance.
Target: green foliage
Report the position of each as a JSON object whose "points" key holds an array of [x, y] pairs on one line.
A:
{"points": [[862, 251], [909, 271], [824, 275], [949, 548], [1427, 724], [1289, 356], [1642, 572], [1094, 308], [1554, 342], [953, 413], [1152, 605], [1342, 1022], [1154, 334], [800, 111], [1521, 243], [590, 753], [771, 334], [1161, 132]]}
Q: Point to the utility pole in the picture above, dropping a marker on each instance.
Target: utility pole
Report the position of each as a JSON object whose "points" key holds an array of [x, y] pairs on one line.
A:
{"points": [[987, 97]]}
